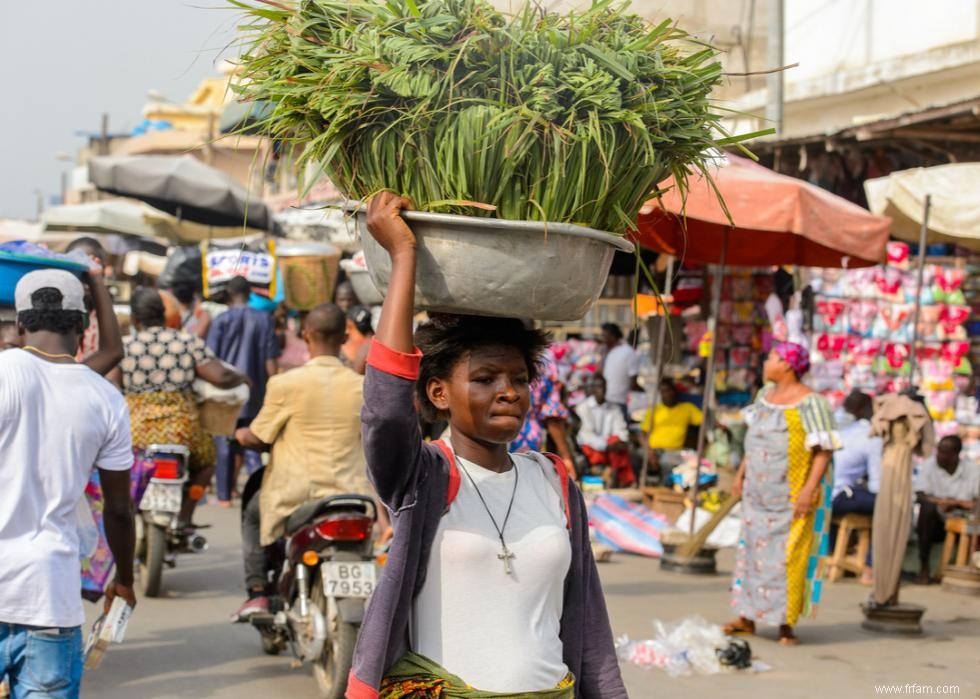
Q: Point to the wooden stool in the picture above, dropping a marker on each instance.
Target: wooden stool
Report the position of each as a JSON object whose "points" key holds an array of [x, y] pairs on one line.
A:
{"points": [[955, 527], [836, 565]]}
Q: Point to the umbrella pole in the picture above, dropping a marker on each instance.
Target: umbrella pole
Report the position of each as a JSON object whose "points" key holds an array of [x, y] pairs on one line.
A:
{"points": [[923, 231], [655, 394], [709, 373]]}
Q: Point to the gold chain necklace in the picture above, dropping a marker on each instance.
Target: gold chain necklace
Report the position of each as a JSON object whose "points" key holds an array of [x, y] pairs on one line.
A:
{"points": [[32, 348]]}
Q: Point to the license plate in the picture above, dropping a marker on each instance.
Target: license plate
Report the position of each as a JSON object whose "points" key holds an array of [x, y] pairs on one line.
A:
{"points": [[344, 579], [162, 497]]}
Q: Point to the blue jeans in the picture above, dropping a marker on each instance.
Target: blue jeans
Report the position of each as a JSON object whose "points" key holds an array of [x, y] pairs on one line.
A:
{"points": [[224, 472], [41, 663]]}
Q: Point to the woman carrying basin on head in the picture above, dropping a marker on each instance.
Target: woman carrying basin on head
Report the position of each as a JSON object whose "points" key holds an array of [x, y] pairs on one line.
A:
{"points": [[490, 588]]}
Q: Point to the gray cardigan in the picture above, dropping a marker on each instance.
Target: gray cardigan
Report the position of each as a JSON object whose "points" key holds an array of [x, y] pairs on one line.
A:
{"points": [[412, 478]]}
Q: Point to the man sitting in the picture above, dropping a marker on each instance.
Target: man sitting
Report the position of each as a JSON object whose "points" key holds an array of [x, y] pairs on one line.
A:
{"points": [[311, 420], [671, 420], [857, 466], [946, 483], [604, 436]]}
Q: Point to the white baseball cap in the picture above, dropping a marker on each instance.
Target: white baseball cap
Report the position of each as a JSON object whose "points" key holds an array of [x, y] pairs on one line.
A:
{"points": [[72, 292]]}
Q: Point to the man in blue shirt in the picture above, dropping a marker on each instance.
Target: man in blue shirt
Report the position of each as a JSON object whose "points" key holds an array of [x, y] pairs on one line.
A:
{"points": [[857, 467], [245, 338]]}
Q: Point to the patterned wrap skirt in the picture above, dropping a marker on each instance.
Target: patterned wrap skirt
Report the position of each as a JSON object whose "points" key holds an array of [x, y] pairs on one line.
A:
{"points": [[169, 417], [420, 678]]}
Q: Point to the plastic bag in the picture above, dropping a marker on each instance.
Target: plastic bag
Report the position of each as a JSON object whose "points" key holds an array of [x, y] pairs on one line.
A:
{"points": [[682, 648], [183, 268]]}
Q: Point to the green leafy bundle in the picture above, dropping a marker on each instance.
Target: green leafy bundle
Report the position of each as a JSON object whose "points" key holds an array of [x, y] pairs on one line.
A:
{"points": [[565, 118]]}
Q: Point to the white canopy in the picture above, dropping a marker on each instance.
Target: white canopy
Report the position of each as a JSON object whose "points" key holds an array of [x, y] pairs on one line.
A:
{"points": [[114, 216], [134, 218], [954, 214]]}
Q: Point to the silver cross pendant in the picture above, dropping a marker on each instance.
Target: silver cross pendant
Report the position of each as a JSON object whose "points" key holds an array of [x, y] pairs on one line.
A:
{"points": [[505, 555]]}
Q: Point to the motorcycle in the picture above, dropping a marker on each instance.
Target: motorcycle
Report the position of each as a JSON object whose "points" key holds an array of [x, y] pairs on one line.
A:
{"points": [[159, 534], [323, 574]]}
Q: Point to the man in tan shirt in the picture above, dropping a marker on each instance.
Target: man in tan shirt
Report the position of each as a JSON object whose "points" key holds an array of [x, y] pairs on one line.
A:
{"points": [[311, 421]]}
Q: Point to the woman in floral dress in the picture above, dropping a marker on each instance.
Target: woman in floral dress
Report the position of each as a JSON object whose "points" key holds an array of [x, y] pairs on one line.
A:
{"points": [[784, 482], [157, 377]]}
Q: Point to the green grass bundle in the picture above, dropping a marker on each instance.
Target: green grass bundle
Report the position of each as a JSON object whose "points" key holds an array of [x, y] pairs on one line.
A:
{"points": [[566, 118]]}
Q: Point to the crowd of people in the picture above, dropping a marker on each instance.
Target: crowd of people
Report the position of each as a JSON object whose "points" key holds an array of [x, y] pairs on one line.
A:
{"points": [[478, 504]]}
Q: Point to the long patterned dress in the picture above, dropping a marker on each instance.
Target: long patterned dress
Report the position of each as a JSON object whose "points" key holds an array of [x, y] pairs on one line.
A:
{"points": [[776, 565]]}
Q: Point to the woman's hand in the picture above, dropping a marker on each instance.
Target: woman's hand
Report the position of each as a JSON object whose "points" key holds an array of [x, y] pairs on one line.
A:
{"points": [[805, 502], [386, 225]]}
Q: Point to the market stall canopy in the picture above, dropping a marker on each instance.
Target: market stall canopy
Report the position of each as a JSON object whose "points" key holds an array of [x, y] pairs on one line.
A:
{"points": [[777, 220], [182, 186], [954, 213], [112, 216], [119, 216]]}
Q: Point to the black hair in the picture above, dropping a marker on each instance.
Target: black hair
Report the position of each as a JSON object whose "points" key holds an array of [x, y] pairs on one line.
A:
{"points": [[446, 339], [859, 404], [146, 307], [184, 292], [955, 440], [90, 245], [326, 322], [47, 315], [613, 330], [360, 316], [239, 287]]}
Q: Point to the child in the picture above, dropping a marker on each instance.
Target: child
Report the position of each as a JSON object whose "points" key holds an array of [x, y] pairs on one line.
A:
{"points": [[490, 581], [604, 436]]}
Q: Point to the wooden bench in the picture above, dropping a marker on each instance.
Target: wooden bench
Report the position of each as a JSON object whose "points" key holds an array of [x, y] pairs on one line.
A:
{"points": [[835, 565], [955, 528]]}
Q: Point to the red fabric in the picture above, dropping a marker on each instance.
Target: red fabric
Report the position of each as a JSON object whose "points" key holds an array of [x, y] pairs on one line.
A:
{"points": [[356, 689], [777, 220], [454, 478], [400, 364], [617, 460]]}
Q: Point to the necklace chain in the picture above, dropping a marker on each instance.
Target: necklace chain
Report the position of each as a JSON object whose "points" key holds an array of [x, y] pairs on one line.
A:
{"points": [[41, 352], [505, 553]]}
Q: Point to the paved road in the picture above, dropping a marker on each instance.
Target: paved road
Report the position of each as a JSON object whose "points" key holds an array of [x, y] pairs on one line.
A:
{"points": [[182, 645]]}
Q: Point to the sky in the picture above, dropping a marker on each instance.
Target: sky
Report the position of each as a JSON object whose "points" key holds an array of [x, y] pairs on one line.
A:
{"points": [[65, 62]]}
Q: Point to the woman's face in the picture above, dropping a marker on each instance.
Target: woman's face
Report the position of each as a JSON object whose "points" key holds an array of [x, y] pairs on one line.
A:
{"points": [[487, 395], [775, 368]]}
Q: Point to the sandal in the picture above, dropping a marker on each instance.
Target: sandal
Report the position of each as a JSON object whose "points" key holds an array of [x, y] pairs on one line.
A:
{"points": [[787, 637], [739, 627]]}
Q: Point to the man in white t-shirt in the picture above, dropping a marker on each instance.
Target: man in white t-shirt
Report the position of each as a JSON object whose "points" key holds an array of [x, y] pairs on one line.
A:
{"points": [[946, 483], [58, 420], [620, 367]]}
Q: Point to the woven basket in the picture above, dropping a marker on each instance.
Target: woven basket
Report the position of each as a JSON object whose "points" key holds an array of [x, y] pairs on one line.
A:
{"points": [[309, 274], [219, 417]]}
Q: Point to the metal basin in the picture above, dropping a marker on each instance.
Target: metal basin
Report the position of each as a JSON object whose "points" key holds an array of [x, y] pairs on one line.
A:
{"points": [[364, 288], [492, 267]]}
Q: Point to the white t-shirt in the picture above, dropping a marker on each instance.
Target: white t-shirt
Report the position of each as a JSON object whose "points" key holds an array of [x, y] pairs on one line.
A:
{"points": [[56, 422], [498, 632], [963, 484], [619, 368]]}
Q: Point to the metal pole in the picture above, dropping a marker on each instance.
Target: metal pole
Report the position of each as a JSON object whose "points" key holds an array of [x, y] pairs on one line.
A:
{"points": [[923, 231], [709, 372], [774, 81], [104, 135], [655, 395]]}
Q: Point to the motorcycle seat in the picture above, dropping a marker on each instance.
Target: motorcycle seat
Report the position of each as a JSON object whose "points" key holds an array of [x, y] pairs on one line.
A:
{"points": [[305, 514]]}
